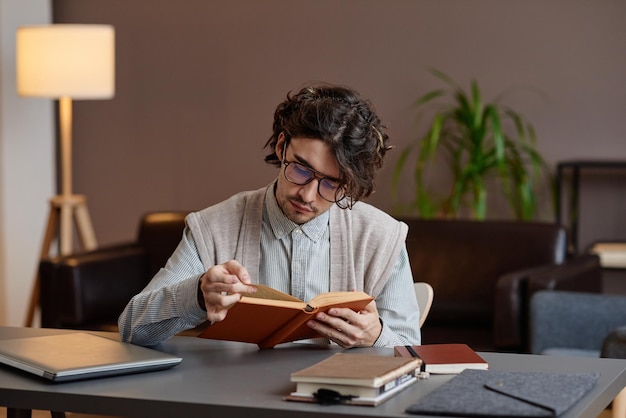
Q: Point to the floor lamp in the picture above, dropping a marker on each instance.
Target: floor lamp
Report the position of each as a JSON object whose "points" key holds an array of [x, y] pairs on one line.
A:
{"points": [[65, 62]]}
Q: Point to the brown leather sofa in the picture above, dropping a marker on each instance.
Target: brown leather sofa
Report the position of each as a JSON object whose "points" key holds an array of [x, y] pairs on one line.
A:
{"points": [[89, 290], [483, 273]]}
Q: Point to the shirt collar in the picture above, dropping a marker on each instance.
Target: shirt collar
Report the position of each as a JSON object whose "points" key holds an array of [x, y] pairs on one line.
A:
{"points": [[281, 225]]}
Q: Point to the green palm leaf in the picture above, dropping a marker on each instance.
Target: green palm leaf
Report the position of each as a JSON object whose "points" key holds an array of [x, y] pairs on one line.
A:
{"points": [[476, 139]]}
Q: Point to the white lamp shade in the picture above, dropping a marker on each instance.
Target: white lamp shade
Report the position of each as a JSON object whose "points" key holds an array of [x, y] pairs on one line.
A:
{"points": [[66, 60]]}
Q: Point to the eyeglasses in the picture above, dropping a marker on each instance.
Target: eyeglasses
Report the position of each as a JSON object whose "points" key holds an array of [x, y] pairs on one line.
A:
{"points": [[329, 190]]}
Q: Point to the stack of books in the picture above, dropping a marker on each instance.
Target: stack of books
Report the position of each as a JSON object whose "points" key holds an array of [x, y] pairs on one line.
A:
{"points": [[612, 254], [355, 379]]}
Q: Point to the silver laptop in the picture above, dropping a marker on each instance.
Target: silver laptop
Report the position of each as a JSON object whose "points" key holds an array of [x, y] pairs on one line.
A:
{"points": [[75, 356]]}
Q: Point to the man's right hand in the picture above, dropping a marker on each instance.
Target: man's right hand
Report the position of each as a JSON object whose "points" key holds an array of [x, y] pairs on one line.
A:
{"points": [[220, 287]]}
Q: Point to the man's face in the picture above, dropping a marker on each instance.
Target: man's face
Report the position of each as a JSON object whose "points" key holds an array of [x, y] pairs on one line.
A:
{"points": [[302, 203]]}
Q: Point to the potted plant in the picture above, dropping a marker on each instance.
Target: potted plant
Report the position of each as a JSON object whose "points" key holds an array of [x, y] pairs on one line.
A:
{"points": [[478, 141]]}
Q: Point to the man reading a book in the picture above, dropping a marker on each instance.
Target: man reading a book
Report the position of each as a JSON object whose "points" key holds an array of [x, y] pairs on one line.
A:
{"points": [[306, 233]]}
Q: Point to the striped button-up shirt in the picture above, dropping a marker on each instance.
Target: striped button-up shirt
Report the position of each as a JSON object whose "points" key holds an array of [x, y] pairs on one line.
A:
{"points": [[295, 259]]}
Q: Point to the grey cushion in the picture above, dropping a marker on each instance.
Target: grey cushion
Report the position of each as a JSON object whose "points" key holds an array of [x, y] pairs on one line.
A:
{"points": [[571, 352], [574, 320]]}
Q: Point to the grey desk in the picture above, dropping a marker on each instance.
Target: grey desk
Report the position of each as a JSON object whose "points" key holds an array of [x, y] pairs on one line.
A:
{"points": [[221, 379]]}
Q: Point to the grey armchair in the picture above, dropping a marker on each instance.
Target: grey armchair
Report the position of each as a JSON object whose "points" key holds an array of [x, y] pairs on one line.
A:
{"points": [[580, 324], [577, 323]]}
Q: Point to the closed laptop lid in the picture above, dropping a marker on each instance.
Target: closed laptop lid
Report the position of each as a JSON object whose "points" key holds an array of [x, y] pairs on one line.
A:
{"points": [[75, 356]]}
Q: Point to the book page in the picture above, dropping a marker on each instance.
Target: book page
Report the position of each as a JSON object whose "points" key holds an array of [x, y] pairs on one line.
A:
{"points": [[266, 292], [337, 298]]}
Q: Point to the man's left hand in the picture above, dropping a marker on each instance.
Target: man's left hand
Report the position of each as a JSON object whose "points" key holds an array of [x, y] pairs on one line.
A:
{"points": [[348, 328]]}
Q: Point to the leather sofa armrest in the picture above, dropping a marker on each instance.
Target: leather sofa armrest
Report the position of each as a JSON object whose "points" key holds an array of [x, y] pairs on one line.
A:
{"points": [[91, 287], [582, 273], [514, 290], [510, 308]]}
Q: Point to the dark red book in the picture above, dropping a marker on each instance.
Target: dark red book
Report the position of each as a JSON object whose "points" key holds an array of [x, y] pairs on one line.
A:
{"points": [[443, 358]]}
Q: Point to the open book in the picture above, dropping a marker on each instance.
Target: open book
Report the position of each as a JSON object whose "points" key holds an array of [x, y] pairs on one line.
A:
{"points": [[269, 317]]}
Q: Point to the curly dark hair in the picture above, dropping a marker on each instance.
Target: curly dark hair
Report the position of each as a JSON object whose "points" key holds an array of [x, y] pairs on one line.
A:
{"points": [[345, 122]]}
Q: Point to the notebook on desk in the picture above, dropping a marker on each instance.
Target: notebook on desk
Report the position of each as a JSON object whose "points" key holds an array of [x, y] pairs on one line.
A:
{"points": [[76, 356]]}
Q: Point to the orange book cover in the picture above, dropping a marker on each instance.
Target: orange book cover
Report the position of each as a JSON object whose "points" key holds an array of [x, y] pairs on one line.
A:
{"points": [[270, 317]]}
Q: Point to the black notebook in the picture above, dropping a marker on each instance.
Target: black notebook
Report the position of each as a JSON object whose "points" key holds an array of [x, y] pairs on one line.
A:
{"points": [[76, 356]]}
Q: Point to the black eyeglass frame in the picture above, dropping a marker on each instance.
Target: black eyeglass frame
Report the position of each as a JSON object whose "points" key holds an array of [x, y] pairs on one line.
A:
{"points": [[339, 191]]}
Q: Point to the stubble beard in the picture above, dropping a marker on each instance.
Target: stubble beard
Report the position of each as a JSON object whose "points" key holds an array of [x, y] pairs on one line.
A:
{"points": [[286, 204]]}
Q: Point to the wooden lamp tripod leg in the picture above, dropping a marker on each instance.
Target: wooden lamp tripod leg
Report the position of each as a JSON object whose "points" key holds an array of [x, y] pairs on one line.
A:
{"points": [[51, 233], [63, 210], [83, 225]]}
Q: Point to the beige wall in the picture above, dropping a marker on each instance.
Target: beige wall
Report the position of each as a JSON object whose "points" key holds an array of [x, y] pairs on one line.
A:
{"points": [[26, 167], [198, 81]]}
